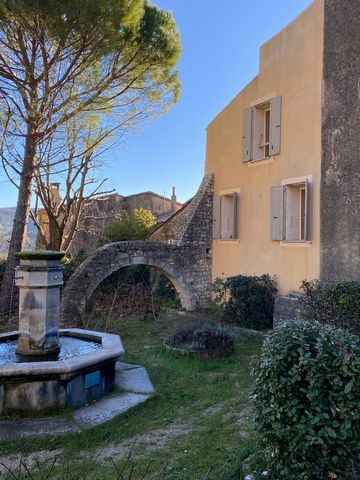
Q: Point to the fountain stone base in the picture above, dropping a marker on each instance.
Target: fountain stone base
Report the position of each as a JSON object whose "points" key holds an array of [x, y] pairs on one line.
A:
{"points": [[30, 386], [39, 278]]}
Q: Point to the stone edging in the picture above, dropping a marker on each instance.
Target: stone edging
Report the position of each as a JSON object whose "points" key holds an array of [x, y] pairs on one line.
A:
{"points": [[204, 354]]}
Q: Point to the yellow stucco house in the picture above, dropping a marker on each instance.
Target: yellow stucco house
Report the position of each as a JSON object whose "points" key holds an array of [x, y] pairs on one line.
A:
{"points": [[281, 190], [267, 150]]}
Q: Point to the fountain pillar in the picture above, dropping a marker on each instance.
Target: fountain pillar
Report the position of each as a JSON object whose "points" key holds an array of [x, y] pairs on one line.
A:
{"points": [[39, 278]]}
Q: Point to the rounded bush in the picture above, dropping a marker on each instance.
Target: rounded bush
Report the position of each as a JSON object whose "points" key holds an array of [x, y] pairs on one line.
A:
{"points": [[306, 396], [207, 337], [247, 300], [336, 303]]}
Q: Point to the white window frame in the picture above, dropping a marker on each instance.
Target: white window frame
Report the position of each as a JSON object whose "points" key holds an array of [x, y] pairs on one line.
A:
{"points": [[255, 147], [230, 232], [259, 133], [302, 183]]}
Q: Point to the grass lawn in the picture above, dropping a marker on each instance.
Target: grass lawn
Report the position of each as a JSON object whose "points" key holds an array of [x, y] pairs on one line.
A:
{"points": [[198, 421]]}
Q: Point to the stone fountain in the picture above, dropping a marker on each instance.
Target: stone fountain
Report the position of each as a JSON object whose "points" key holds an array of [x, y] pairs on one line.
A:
{"points": [[43, 367]]}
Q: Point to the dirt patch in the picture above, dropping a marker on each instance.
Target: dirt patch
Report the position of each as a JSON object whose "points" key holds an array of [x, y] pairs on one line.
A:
{"points": [[16, 463], [149, 442], [135, 446], [242, 420]]}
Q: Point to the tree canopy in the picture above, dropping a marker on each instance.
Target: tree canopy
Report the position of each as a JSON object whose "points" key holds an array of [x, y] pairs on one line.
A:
{"points": [[110, 62], [135, 225]]}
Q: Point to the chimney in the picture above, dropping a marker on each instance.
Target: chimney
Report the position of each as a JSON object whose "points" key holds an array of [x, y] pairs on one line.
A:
{"points": [[173, 202]]}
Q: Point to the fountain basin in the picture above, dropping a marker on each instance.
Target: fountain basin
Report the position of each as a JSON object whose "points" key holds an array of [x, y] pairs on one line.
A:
{"points": [[54, 384]]}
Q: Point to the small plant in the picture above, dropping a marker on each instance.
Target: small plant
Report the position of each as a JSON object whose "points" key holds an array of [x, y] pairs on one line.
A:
{"points": [[337, 304], [203, 336], [306, 398], [246, 300], [71, 264]]}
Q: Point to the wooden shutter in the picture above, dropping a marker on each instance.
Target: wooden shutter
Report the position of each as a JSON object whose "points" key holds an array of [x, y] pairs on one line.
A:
{"points": [[307, 210], [246, 146], [216, 217], [275, 125], [235, 215], [277, 213]]}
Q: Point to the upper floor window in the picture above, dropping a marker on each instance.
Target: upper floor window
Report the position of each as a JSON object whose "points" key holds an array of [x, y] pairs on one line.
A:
{"points": [[261, 130]]}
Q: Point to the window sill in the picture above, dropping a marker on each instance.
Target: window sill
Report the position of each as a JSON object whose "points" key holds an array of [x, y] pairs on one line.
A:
{"points": [[228, 240], [295, 243], [264, 161]]}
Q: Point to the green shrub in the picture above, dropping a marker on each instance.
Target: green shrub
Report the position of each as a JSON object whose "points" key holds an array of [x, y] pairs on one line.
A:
{"points": [[135, 225], [71, 264], [203, 336], [337, 304], [306, 398], [247, 300], [165, 289]]}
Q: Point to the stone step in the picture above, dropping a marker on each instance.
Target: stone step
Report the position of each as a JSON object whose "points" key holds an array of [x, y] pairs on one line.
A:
{"points": [[133, 378], [107, 408], [31, 427]]}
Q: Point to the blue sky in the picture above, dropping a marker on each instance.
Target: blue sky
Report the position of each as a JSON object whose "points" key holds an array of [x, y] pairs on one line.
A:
{"points": [[220, 55]]}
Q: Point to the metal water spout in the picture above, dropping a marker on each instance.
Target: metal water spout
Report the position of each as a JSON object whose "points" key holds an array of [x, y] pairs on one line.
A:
{"points": [[39, 278]]}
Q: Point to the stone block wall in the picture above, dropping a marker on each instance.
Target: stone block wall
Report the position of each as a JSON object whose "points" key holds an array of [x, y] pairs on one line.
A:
{"points": [[340, 172], [191, 230], [289, 308]]}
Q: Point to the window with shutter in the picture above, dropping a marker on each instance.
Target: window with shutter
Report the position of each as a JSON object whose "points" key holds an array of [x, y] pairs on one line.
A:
{"points": [[262, 130], [275, 126], [296, 221], [290, 212], [226, 216], [247, 128], [277, 213], [235, 215], [216, 217]]}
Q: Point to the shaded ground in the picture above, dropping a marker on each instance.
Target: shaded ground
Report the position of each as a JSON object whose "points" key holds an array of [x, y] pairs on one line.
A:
{"points": [[198, 419]]}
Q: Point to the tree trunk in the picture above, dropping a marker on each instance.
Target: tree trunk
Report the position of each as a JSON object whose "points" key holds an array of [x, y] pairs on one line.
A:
{"points": [[55, 235], [21, 219]]}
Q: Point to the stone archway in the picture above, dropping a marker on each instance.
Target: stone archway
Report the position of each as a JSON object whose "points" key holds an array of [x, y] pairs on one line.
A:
{"points": [[180, 248], [113, 256]]}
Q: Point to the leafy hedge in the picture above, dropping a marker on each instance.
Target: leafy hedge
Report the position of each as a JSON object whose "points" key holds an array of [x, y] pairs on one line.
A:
{"points": [[306, 397], [337, 304], [247, 300]]}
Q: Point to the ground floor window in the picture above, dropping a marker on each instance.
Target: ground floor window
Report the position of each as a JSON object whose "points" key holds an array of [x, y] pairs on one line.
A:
{"points": [[226, 216], [289, 215]]}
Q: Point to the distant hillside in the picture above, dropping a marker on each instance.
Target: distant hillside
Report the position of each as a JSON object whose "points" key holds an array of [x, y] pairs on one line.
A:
{"points": [[6, 223]]}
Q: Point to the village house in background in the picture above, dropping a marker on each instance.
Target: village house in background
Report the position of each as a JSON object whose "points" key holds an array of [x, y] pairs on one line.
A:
{"points": [[99, 213]]}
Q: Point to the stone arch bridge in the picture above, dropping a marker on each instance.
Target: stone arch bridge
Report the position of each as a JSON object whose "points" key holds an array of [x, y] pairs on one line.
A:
{"points": [[180, 249]]}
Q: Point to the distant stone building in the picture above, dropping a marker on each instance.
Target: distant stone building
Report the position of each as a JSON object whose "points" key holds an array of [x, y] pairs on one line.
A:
{"points": [[99, 213]]}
